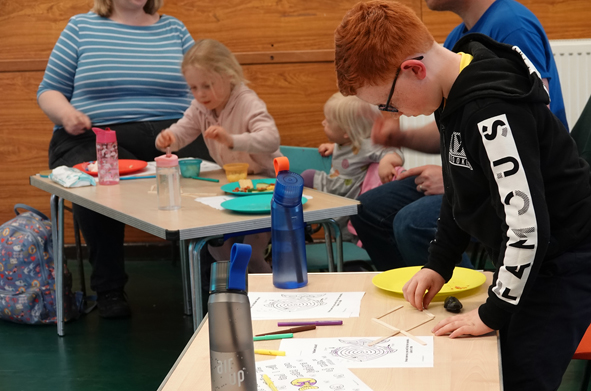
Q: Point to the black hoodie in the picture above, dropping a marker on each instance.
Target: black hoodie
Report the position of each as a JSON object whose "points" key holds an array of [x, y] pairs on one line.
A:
{"points": [[513, 178]]}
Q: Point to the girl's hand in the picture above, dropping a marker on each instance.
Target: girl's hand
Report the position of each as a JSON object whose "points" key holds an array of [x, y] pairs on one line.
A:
{"points": [[326, 149], [165, 139], [76, 122], [387, 168], [465, 324], [220, 135], [425, 280]]}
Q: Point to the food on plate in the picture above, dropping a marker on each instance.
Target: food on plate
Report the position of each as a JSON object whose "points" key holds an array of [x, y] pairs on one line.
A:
{"points": [[92, 167], [246, 186]]}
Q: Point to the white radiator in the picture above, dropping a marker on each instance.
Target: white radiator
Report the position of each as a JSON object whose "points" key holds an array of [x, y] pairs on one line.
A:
{"points": [[573, 60]]}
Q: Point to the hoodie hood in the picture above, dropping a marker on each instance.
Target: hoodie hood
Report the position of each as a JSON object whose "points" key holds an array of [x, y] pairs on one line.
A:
{"points": [[521, 82]]}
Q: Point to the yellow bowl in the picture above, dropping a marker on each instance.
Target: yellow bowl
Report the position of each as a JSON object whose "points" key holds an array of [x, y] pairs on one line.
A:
{"points": [[236, 171]]}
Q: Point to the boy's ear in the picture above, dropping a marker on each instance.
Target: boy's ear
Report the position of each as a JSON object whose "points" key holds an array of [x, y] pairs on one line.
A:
{"points": [[417, 67]]}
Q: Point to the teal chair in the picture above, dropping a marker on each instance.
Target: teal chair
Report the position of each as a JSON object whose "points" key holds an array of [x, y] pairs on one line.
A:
{"points": [[304, 158], [354, 258]]}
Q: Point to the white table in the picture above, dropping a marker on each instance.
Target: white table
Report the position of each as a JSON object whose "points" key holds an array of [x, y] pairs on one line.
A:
{"points": [[134, 203], [461, 364]]}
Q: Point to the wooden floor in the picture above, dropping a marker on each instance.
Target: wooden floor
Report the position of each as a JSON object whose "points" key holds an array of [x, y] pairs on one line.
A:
{"points": [[112, 355]]}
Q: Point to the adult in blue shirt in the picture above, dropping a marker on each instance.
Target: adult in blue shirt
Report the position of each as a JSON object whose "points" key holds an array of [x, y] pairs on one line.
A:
{"points": [[398, 220], [117, 66]]}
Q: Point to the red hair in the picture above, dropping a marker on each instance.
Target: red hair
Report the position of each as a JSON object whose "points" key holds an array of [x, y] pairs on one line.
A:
{"points": [[373, 40]]}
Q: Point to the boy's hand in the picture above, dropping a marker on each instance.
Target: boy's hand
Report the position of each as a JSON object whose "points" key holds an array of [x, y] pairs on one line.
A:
{"points": [[165, 139], [76, 122], [465, 324], [424, 280], [220, 135], [386, 131], [429, 178], [326, 149]]}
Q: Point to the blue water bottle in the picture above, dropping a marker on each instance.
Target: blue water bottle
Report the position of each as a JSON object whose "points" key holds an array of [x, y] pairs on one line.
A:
{"points": [[290, 268]]}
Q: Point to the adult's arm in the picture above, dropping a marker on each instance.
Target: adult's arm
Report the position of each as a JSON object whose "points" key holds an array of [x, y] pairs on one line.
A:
{"points": [[59, 110], [386, 131]]}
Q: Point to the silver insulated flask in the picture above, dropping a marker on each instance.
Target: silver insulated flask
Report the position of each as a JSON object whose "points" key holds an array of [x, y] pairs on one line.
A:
{"points": [[231, 348]]}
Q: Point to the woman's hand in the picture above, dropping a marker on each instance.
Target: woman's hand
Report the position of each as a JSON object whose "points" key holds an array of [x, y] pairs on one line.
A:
{"points": [[75, 122], [425, 280], [465, 324], [165, 139], [326, 149], [220, 135]]}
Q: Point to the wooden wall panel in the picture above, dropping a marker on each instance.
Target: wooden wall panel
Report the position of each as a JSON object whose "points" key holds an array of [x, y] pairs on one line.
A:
{"points": [[560, 19], [30, 28], [295, 97]]}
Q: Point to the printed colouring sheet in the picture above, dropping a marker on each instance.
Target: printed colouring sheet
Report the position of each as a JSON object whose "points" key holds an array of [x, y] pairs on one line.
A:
{"points": [[311, 373], [304, 305], [354, 352]]}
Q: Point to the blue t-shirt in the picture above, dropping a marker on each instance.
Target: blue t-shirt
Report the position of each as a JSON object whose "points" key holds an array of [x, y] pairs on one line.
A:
{"points": [[510, 22], [115, 73]]}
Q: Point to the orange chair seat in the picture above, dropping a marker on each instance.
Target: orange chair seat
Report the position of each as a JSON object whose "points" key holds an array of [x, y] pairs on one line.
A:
{"points": [[584, 350]]}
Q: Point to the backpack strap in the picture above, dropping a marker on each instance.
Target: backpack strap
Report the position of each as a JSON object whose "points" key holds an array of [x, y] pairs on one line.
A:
{"points": [[30, 209]]}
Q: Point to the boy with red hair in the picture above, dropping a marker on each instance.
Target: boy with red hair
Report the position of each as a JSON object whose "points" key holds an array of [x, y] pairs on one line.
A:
{"points": [[513, 180]]}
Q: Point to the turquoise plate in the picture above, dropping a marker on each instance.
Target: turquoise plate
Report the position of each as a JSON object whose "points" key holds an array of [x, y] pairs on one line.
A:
{"points": [[230, 187], [254, 204]]}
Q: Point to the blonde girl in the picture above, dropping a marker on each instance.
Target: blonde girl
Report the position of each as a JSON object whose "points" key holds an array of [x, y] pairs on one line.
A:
{"points": [[233, 121]]}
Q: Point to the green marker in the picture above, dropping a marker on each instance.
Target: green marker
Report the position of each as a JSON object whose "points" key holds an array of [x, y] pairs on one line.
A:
{"points": [[272, 336]]}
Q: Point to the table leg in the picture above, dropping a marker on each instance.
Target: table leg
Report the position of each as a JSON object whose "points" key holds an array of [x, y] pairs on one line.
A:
{"points": [[195, 277], [185, 273], [328, 241], [57, 231], [339, 241]]}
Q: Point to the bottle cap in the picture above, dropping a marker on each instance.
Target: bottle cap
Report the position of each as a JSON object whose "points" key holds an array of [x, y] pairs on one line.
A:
{"points": [[239, 258], [105, 136], [231, 275], [288, 188], [167, 161], [280, 163]]}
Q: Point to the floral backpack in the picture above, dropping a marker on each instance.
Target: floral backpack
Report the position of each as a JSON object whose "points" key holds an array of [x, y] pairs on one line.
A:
{"points": [[27, 280]]}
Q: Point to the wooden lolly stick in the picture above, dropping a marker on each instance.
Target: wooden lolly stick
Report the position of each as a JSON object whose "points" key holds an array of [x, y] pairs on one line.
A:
{"points": [[389, 312], [428, 313], [377, 341], [409, 335]]}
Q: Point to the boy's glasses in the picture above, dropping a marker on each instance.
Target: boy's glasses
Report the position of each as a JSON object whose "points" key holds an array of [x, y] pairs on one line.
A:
{"points": [[387, 106]]}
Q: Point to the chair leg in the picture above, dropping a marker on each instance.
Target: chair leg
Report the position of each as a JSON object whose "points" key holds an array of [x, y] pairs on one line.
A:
{"points": [[586, 376]]}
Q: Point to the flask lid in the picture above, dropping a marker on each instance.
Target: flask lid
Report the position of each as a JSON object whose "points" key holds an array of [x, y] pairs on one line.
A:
{"points": [[105, 135], [288, 188], [231, 275]]}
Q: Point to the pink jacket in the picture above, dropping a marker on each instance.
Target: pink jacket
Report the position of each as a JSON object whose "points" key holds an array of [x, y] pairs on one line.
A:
{"points": [[256, 138]]}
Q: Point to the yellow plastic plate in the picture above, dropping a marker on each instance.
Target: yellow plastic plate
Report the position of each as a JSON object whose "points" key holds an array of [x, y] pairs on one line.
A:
{"points": [[462, 280]]}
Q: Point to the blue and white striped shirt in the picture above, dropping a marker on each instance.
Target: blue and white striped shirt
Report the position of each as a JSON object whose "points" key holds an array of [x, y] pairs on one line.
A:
{"points": [[116, 73]]}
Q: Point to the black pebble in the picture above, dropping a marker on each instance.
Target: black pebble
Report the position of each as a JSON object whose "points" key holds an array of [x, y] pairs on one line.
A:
{"points": [[452, 304]]}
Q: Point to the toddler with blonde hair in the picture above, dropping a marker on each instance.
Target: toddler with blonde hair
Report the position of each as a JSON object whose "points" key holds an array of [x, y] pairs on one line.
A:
{"points": [[347, 124]]}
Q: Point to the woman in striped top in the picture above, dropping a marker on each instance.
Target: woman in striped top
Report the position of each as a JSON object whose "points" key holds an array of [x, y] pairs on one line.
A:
{"points": [[117, 66]]}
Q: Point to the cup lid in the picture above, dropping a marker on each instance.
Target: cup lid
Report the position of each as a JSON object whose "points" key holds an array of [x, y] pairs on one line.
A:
{"points": [[167, 161]]}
